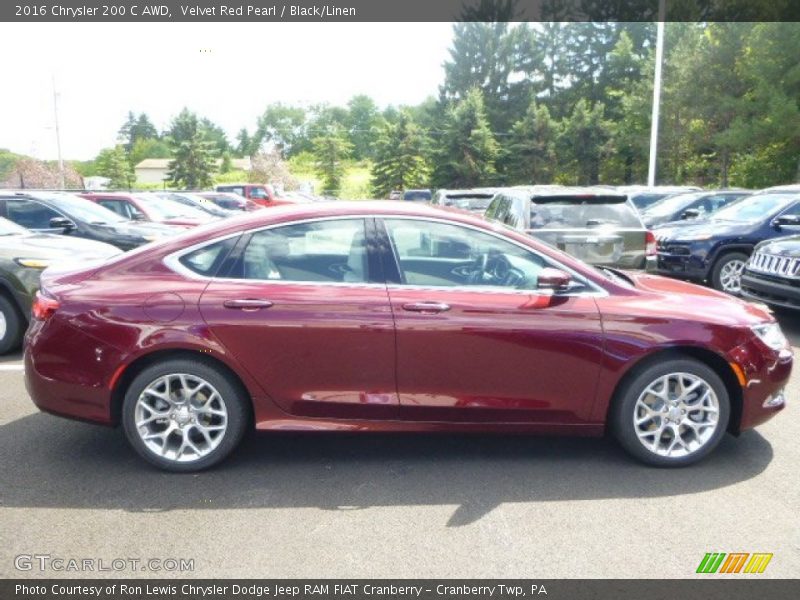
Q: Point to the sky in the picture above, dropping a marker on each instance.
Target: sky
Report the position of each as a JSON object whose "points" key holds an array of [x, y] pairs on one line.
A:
{"points": [[228, 72]]}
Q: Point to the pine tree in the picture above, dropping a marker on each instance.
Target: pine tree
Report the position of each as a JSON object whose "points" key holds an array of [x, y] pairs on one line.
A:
{"points": [[467, 150], [531, 150], [192, 154], [330, 151], [583, 143], [399, 157]]}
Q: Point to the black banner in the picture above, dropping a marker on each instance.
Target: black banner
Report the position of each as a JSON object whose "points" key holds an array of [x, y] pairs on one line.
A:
{"points": [[733, 588], [396, 10]]}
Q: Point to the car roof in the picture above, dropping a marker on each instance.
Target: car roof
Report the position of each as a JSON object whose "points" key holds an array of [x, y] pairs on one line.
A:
{"points": [[543, 191]]}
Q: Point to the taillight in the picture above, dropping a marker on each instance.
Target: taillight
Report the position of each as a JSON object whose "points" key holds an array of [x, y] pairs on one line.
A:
{"points": [[44, 307], [650, 243]]}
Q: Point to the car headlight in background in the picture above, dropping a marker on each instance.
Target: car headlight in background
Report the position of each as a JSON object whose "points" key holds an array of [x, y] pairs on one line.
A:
{"points": [[32, 263], [771, 335]]}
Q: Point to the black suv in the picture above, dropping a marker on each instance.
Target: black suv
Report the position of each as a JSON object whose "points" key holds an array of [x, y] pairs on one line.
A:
{"points": [[772, 274], [68, 214]]}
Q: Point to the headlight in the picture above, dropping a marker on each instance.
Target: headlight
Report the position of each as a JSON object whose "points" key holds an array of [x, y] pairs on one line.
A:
{"points": [[32, 263], [771, 335]]}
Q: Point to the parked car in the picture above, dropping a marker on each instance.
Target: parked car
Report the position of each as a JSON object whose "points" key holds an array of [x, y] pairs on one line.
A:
{"points": [[344, 316], [198, 202], [396, 195], [473, 200], [772, 274], [598, 226], [686, 207], [68, 214], [643, 196], [259, 193], [23, 256], [230, 201], [417, 195], [715, 250], [149, 207]]}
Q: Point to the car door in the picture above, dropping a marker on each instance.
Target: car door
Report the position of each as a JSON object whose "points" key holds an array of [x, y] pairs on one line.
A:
{"points": [[304, 309], [477, 341]]}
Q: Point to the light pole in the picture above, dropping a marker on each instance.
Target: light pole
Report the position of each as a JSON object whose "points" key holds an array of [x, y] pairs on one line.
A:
{"points": [[651, 171], [58, 136]]}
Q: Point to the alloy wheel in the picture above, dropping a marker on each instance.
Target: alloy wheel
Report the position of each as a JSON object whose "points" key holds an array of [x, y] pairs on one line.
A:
{"points": [[676, 415], [181, 417], [730, 276]]}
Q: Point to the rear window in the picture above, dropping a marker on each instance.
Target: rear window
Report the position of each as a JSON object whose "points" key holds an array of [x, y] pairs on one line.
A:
{"points": [[560, 212], [417, 195]]}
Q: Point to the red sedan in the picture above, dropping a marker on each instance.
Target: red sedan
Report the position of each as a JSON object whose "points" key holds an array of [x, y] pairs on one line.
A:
{"points": [[149, 207], [393, 316]]}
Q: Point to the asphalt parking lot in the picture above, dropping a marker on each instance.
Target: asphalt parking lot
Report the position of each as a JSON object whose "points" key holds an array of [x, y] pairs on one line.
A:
{"points": [[395, 505]]}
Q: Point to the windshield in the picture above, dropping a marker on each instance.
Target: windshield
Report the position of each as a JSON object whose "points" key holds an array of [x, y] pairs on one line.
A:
{"points": [[84, 210], [642, 201], [164, 208], [581, 212], [755, 208], [670, 205], [415, 195], [9, 228]]}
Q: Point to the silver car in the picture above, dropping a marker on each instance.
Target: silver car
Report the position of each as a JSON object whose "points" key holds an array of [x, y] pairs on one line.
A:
{"points": [[599, 226]]}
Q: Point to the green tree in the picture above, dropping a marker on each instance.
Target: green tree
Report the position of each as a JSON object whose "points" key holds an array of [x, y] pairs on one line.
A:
{"points": [[246, 146], [113, 163], [136, 128], [148, 148], [330, 151], [583, 143], [362, 121], [399, 157], [216, 135], [281, 126], [192, 161], [532, 147], [467, 151]]}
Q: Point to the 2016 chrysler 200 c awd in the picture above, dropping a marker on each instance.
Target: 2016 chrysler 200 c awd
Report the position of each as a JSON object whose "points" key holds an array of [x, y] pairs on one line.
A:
{"points": [[393, 316]]}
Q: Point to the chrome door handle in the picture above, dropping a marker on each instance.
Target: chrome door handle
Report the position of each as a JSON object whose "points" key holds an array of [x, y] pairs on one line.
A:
{"points": [[428, 308], [247, 303]]}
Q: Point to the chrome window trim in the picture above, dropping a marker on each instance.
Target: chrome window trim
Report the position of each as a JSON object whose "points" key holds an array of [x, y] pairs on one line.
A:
{"points": [[172, 261]]}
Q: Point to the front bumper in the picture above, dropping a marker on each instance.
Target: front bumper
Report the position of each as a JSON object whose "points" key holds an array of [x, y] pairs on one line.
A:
{"points": [[769, 289], [766, 374], [686, 266]]}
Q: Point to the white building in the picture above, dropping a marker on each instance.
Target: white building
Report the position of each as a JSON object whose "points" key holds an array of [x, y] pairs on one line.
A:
{"points": [[154, 170]]}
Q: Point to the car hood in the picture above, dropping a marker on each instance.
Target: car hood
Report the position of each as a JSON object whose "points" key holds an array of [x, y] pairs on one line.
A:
{"points": [[786, 246], [139, 229], [691, 230], [49, 246], [672, 298]]}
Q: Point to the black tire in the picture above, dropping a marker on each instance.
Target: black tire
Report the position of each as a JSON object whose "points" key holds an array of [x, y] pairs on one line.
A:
{"points": [[12, 336], [235, 400], [722, 261], [623, 411]]}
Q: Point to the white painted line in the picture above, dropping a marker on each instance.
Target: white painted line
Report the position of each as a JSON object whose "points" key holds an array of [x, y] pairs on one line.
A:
{"points": [[12, 367]]}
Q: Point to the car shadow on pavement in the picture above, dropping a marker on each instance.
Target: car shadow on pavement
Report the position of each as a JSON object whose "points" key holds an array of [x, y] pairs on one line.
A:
{"points": [[790, 324], [50, 462]]}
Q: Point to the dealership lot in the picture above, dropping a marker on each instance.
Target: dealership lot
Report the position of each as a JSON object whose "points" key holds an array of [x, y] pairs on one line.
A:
{"points": [[394, 505]]}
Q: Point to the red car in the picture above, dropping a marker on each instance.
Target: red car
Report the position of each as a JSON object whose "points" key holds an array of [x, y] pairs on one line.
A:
{"points": [[150, 207], [393, 316], [263, 195]]}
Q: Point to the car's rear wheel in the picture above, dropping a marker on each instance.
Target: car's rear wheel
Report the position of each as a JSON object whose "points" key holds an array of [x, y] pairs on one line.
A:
{"points": [[671, 414], [184, 415], [727, 273], [11, 326]]}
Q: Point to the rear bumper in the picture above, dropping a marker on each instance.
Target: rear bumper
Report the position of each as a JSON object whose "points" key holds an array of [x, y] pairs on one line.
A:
{"points": [[774, 290]]}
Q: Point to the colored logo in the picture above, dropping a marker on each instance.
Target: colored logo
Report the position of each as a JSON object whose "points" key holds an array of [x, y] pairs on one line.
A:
{"points": [[735, 562]]}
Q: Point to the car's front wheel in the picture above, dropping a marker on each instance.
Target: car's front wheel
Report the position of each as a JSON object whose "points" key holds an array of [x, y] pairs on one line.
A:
{"points": [[671, 414], [726, 276], [11, 326], [184, 415]]}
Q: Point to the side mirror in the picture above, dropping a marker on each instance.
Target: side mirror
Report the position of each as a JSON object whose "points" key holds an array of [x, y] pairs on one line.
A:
{"points": [[138, 217], [786, 221], [553, 279], [690, 213], [62, 223]]}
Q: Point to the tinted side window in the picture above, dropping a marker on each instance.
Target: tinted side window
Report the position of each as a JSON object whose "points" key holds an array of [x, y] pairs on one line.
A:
{"points": [[444, 255], [322, 251], [115, 205], [30, 214]]}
